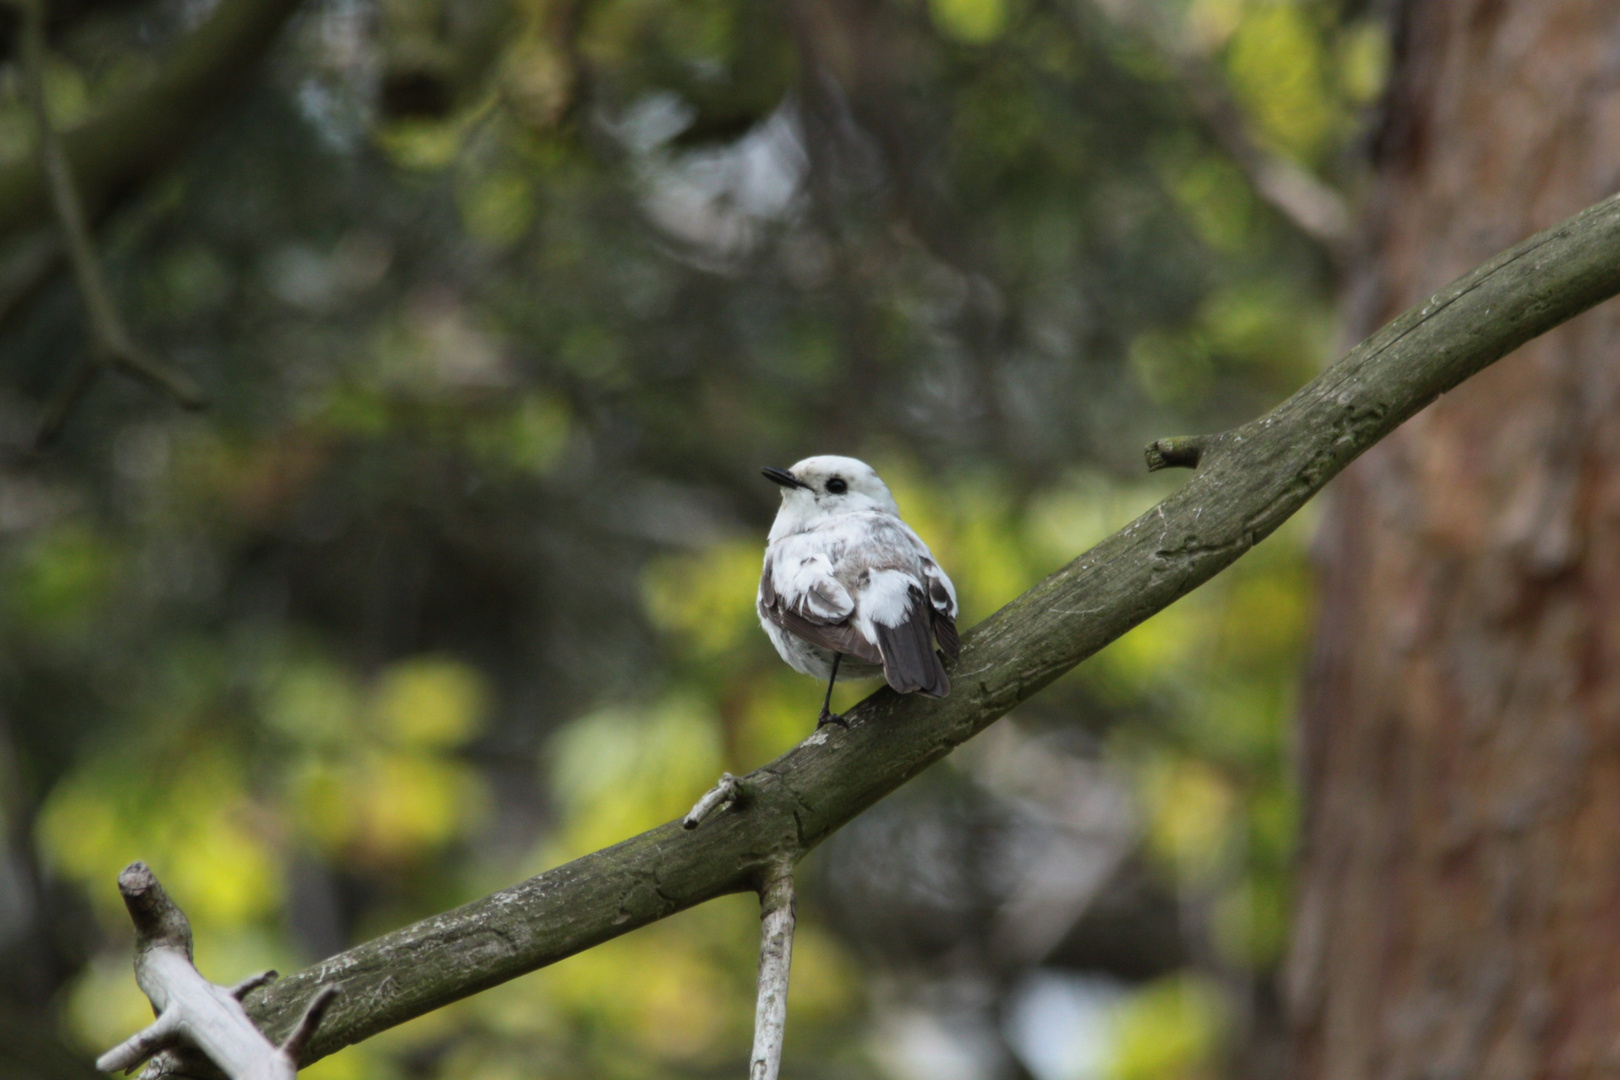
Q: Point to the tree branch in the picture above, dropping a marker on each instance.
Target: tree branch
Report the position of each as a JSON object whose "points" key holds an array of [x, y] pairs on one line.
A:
{"points": [[140, 132], [110, 342], [776, 917], [1250, 480], [190, 1009], [1312, 205]]}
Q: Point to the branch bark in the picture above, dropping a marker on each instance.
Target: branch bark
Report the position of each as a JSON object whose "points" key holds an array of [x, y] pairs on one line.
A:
{"points": [[1248, 482]]}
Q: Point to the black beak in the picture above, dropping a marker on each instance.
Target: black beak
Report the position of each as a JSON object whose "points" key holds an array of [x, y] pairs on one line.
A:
{"points": [[783, 477]]}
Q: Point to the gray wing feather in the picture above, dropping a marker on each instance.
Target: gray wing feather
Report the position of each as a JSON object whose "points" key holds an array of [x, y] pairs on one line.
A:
{"points": [[837, 637], [942, 601], [801, 620], [950, 642]]}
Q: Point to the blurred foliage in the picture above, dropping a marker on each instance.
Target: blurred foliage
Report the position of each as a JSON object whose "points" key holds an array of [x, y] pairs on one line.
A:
{"points": [[501, 305]]}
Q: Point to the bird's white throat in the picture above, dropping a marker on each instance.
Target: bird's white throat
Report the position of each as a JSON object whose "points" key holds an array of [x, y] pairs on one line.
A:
{"points": [[800, 512]]}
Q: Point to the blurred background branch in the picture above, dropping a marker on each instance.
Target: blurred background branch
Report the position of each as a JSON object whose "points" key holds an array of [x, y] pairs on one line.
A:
{"points": [[114, 150], [107, 158], [110, 343], [1299, 195]]}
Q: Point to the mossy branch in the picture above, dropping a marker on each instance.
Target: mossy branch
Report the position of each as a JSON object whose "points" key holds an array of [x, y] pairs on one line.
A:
{"points": [[1248, 482]]}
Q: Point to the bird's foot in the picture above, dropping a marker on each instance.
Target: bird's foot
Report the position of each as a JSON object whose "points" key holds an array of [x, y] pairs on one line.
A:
{"points": [[829, 717]]}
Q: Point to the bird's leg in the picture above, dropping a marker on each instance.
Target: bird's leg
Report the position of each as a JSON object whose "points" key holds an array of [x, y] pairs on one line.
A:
{"points": [[827, 715]]}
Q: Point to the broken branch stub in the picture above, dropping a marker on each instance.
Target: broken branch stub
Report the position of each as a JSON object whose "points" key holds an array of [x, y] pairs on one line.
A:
{"points": [[191, 1010]]}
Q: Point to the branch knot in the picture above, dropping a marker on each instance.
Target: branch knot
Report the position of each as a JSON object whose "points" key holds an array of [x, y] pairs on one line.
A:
{"points": [[1178, 452]]}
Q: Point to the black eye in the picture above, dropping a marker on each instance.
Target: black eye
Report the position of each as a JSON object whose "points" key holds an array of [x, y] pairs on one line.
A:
{"points": [[836, 486]]}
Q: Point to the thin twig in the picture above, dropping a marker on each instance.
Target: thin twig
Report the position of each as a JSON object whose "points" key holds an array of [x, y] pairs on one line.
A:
{"points": [[776, 917], [110, 341], [717, 798], [293, 1046], [162, 1034], [242, 989]]}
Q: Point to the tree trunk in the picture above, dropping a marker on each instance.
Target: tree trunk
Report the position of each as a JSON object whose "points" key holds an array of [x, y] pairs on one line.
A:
{"points": [[1459, 889]]}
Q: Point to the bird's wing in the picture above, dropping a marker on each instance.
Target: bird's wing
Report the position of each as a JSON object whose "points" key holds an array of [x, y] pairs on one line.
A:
{"points": [[887, 565], [892, 608], [941, 594], [798, 592], [942, 600]]}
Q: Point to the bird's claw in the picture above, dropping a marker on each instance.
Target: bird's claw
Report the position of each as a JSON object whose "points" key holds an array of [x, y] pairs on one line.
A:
{"points": [[829, 717]]}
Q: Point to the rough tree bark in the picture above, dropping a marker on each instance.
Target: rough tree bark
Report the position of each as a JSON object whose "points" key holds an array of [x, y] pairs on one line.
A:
{"points": [[1460, 880]]}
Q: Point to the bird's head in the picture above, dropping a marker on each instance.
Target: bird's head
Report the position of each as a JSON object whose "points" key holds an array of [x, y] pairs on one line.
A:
{"points": [[826, 486]]}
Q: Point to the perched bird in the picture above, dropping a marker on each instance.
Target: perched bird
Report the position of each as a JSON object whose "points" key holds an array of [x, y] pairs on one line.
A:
{"points": [[848, 590]]}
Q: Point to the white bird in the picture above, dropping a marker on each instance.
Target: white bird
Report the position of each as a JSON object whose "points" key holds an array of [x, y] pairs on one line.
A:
{"points": [[848, 590]]}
